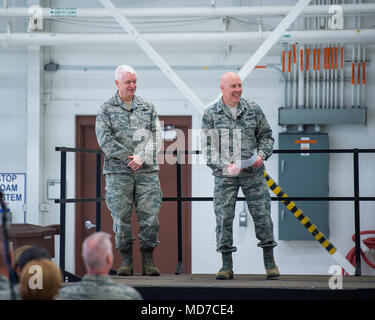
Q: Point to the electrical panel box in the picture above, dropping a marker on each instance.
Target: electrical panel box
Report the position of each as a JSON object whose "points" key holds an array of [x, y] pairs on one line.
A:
{"points": [[303, 175]]}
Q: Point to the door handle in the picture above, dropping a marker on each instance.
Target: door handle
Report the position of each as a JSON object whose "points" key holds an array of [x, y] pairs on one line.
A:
{"points": [[282, 215], [283, 162], [89, 225]]}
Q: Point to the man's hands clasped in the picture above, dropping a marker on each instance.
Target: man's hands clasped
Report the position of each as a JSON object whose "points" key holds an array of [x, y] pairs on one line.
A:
{"points": [[135, 163]]}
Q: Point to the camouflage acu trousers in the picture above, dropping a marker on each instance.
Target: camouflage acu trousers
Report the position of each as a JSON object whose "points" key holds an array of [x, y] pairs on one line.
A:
{"points": [[258, 200], [142, 189]]}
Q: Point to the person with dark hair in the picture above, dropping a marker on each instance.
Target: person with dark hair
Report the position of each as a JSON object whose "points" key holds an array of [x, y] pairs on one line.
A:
{"points": [[32, 253], [17, 254]]}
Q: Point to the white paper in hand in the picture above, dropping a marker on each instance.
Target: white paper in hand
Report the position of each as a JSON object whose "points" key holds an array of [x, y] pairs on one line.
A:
{"points": [[247, 162]]}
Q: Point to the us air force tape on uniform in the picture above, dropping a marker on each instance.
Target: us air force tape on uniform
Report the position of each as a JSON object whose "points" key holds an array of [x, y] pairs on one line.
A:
{"points": [[305, 221]]}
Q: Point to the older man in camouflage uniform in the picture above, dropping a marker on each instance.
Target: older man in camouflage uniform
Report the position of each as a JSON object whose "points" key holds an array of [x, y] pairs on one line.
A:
{"points": [[96, 284], [232, 129], [128, 131]]}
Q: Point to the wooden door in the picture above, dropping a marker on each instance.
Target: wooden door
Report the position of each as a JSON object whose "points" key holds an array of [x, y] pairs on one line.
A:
{"points": [[166, 253]]}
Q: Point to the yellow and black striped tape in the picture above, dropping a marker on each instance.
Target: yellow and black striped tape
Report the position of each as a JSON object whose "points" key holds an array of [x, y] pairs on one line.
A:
{"points": [[305, 221]]}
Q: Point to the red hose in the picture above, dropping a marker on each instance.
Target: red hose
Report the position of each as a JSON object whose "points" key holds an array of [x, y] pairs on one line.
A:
{"points": [[369, 242]]}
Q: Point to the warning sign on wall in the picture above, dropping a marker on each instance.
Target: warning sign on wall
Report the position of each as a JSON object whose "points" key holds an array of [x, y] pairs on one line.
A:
{"points": [[13, 187], [304, 143]]}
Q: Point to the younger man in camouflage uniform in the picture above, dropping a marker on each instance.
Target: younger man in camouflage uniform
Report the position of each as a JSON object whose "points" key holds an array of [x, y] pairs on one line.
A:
{"points": [[96, 284], [128, 131], [232, 129]]}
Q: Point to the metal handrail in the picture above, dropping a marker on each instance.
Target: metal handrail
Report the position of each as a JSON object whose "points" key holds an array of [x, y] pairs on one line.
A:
{"points": [[179, 199]]}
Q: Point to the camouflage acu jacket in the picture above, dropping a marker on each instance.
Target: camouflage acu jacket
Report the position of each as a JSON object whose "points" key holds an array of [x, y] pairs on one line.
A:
{"points": [[5, 289], [122, 132], [225, 139], [98, 287]]}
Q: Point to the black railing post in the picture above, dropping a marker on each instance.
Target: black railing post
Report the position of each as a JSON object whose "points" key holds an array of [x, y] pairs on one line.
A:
{"points": [[98, 192], [62, 209], [179, 216], [357, 228]]}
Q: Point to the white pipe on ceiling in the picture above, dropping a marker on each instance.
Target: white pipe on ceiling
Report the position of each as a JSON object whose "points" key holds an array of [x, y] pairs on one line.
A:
{"points": [[239, 38], [254, 11]]}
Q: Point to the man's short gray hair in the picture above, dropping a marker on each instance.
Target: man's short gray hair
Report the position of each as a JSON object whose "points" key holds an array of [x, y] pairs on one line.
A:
{"points": [[95, 249], [121, 70]]}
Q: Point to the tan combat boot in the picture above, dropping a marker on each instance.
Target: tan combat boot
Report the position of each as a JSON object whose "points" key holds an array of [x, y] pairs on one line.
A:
{"points": [[148, 265], [272, 271], [226, 271], [126, 267]]}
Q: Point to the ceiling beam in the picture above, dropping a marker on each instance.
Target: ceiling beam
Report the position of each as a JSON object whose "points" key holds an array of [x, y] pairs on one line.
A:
{"points": [[155, 57]]}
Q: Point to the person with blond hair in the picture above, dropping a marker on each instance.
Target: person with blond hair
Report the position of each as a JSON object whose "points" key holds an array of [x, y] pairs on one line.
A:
{"points": [[40, 280]]}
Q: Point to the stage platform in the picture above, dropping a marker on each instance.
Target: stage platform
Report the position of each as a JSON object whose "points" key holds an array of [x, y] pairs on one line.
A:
{"points": [[250, 287]]}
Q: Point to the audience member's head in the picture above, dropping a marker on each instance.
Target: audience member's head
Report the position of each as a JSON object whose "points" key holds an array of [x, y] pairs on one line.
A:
{"points": [[18, 252], [40, 280], [97, 253], [34, 252]]}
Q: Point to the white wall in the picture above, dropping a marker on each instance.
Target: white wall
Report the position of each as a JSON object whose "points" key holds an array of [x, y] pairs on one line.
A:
{"points": [[68, 93], [13, 97]]}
